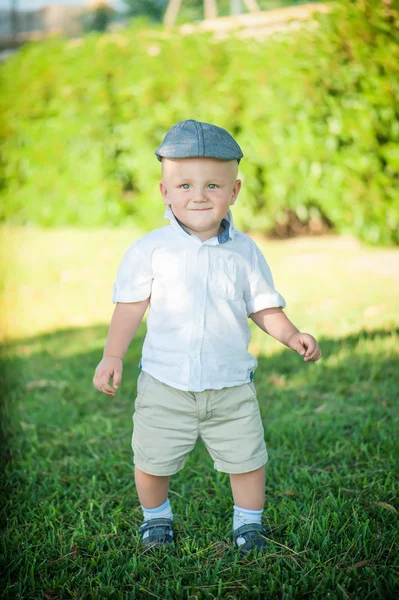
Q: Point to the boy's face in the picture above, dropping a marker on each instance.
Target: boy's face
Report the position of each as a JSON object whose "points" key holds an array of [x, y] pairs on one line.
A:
{"points": [[200, 192]]}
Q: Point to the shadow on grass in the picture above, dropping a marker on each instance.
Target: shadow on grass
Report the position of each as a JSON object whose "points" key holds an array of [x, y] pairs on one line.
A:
{"points": [[68, 489]]}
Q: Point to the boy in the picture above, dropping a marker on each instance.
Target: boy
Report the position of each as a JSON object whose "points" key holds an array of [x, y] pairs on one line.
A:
{"points": [[202, 279]]}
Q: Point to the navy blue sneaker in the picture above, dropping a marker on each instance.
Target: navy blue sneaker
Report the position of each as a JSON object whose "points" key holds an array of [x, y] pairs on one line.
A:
{"points": [[160, 532], [254, 536]]}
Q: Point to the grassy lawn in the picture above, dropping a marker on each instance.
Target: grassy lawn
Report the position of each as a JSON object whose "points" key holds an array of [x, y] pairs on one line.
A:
{"points": [[71, 512]]}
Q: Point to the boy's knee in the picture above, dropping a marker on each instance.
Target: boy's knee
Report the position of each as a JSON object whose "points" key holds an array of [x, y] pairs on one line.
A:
{"points": [[147, 477]]}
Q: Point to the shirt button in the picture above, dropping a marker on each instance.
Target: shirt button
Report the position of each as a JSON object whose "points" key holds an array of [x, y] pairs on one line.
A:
{"points": [[193, 354], [198, 319]]}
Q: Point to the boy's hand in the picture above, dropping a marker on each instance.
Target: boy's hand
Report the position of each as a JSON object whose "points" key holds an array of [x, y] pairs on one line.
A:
{"points": [[110, 366], [305, 344]]}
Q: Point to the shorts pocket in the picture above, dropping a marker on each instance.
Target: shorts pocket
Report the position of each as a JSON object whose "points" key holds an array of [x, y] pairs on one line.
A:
{"points": [[252, 389], [142, 384]]}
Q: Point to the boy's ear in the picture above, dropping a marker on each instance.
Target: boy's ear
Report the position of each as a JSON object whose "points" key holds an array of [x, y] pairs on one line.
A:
{"points": [[164, 192], [236, 191]]}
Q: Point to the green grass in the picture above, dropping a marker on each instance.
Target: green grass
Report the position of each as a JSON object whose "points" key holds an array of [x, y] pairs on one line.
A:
{"points": [[71, 511]]}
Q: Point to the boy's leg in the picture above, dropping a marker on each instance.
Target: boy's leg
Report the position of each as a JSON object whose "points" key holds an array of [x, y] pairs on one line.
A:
{"points": [[249, 499], [249, 489], [153, 494], [234, 437], [152, 489]]}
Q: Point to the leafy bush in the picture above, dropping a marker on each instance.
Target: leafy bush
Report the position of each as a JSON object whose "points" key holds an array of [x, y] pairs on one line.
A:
{"points": [[315, 111]]}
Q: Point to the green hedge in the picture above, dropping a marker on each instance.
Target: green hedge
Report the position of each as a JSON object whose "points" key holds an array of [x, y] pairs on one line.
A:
{"points": [[315, 111]]}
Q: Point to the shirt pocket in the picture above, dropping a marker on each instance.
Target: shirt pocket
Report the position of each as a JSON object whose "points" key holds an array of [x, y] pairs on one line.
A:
{"points": [[224, 277]]}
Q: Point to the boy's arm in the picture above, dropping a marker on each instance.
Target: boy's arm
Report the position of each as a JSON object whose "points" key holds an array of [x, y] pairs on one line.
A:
{"points": [[125, 321], [276, 323]]}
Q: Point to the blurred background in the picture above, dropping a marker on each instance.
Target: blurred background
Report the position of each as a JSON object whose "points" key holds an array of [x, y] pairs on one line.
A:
{"points": [[88, 90]]}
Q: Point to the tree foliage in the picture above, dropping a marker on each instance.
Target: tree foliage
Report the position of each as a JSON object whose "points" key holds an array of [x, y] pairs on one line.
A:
{"points": [[154, 9], [315, 111]]}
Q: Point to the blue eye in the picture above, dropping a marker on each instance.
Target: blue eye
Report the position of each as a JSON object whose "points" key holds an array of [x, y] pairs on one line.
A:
{"points": [[185, 186], [214, 186]]}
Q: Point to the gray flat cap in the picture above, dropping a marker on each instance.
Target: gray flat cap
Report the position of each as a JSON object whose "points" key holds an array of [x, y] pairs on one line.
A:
{"points": [[194, 139]]}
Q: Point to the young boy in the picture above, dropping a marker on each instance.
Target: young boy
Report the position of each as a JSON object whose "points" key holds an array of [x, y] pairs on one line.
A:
{"points": [[202, 280]]}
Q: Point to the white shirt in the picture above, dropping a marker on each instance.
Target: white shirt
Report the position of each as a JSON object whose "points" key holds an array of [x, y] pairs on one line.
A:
{"points": [[202, 294]]}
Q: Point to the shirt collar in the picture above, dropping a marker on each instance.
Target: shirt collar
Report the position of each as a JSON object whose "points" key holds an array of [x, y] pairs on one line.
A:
{"points": [[227, 224]]}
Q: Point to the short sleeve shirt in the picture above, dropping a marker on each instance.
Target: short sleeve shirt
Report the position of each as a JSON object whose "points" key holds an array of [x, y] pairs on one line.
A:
{"points": [[201, 295]]}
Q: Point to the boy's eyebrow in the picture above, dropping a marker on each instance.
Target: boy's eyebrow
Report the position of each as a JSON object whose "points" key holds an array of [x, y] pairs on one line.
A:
{"points": [[181, 178]]}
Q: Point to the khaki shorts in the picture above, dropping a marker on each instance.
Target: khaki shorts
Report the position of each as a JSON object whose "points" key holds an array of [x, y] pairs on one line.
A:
{"points": [[167, 423]]}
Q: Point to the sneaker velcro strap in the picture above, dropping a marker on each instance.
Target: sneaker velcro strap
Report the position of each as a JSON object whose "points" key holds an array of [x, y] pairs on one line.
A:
{"points": [[250, 532], [164, 525]]}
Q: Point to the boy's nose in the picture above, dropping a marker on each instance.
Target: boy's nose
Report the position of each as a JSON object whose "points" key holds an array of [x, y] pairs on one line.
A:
{"points": [[199, 196]]}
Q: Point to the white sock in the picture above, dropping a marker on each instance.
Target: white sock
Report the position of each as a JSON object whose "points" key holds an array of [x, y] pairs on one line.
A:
{"points": [[245, 516], [163, 511]]}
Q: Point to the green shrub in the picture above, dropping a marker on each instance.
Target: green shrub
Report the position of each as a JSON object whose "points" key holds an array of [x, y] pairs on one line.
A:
{"points": [[315, 111]]}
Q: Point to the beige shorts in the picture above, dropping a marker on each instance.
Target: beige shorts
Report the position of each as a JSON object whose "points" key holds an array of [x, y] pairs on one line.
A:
{"points": [[167, 423]]}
